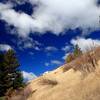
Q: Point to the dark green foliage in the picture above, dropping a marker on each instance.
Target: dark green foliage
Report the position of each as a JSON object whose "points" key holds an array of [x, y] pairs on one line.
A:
{"points": [[2, 74], [18, 82], [10, 75]]}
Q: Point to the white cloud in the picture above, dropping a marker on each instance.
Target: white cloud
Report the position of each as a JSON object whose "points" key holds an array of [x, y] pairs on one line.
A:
{"points": [[28, 43], [85, 44], [28, 76], [5, 47], [21, 21], [46, 64], [57, 62], [66, 48], [5, 6], [46, 72], [37, 48], [53, 15], [53, 62], [51, 48]]}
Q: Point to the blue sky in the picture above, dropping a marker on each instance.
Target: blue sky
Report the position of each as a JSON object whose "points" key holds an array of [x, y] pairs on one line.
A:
{"points": [[43, 32]]}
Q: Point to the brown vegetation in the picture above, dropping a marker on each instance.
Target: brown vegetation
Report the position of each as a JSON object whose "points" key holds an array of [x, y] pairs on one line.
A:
{"points": [[50, 82], [75, 54], [85, 63], [69, 83], [22, 94]]}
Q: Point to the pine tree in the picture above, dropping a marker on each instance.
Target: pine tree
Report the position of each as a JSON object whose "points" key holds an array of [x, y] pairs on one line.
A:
{"points": [[2, 74], [10, 73]]}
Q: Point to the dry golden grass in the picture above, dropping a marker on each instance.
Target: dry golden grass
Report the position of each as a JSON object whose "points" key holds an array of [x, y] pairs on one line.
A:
{"points": [[70, 84], [45, 81], [85, 63]]}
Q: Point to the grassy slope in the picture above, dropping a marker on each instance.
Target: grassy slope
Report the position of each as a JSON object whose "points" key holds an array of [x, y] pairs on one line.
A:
{"points": [[70, 85]]}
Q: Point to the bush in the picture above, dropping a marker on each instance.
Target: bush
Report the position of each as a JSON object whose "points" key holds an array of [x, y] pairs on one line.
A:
{"points": [[67, 67], [69, 58], [76, 53], [9, 92]]}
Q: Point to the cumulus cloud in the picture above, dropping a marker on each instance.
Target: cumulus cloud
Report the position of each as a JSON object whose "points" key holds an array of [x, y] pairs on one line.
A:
{"points": [[5, 6], [22, 21], [28, 44], [28, 76], [85, 44], [5, 47], [53, 15]]}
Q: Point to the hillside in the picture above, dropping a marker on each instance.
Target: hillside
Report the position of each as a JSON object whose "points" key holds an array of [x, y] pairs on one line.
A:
{"points": [[78, 80]]}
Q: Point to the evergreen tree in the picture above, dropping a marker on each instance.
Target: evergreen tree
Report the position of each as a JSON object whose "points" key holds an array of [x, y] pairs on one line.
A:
{"points": [[10, 74], [18, 82], [2, 74]]}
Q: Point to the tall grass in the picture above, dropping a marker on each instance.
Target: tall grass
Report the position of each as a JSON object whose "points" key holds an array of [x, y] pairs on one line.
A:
{"points": [[51, 82], [85, 63]]}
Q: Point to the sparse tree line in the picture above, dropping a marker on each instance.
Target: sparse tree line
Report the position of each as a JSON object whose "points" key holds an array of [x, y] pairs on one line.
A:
{"points": [[10, 75]]}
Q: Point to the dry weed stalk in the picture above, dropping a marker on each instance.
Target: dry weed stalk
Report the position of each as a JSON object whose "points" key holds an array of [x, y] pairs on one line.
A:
{"points": [[46, 81]]}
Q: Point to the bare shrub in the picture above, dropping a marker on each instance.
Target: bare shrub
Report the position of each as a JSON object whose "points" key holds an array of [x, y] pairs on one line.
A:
{"points": [[22, 94], [67, 67], [84, 64], [93, 54], [70, 58], [45, 81], [91, 59], [10, 92], [26, 92], [88, 62]]}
